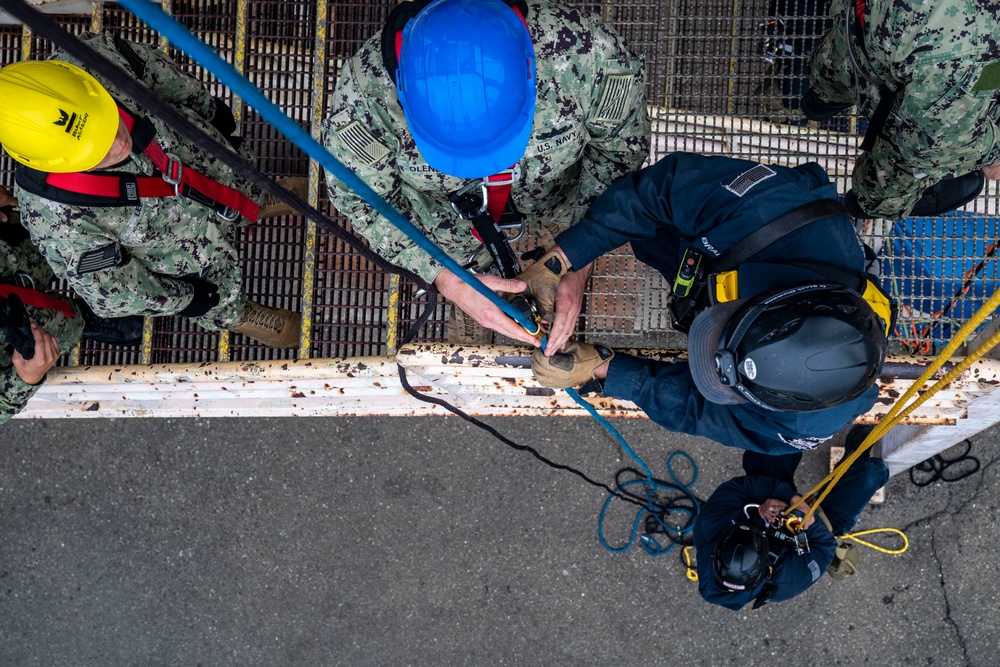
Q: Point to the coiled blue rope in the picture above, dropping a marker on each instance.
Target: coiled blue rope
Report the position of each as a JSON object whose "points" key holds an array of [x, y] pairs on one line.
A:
{"points": [[677, 533]]}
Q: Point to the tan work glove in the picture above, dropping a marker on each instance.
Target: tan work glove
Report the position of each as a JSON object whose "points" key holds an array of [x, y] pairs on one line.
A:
{"points": [[574, 365], [543, 279]]}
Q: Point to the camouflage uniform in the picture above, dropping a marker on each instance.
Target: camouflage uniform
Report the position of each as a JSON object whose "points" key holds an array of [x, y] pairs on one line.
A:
{"points": [[590, 128], [20, 256], [161, 240], [943, 58]]}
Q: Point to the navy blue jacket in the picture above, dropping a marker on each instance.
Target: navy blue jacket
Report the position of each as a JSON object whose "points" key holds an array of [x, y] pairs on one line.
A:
{"points": [[792, 575], [711, 203]]}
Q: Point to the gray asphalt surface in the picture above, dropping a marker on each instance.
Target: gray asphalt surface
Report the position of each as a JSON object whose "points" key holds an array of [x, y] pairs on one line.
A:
{"points": [[425, 541]]}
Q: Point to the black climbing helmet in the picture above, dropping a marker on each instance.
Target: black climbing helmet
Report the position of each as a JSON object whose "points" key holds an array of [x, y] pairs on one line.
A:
{"points": [[802, 348], [739, 560]]}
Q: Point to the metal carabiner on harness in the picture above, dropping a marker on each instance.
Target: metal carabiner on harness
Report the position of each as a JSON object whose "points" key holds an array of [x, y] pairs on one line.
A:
{"points": [[23, 280], [229, 214], [173, 172], [466, 205]]}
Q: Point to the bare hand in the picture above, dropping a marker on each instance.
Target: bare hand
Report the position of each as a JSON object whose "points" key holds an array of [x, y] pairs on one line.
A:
{"points": [[33, 370], [482, 309], [569, 301], [770, 508], [992, 171]]}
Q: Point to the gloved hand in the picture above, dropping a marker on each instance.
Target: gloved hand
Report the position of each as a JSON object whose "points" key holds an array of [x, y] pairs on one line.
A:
{"points": [[543, 279], [206, 297], [574, 365]]}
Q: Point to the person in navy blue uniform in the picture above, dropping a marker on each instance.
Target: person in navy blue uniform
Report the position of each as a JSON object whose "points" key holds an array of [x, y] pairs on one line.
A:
{"points": [[708, 203], [770, 485]]}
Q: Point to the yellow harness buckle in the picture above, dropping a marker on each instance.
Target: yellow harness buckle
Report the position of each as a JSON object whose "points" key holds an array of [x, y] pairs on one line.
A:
{"points": [[726, 286]]}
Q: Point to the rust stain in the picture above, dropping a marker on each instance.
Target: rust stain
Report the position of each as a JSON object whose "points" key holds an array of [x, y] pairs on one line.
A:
{"points": [[298, 394]]}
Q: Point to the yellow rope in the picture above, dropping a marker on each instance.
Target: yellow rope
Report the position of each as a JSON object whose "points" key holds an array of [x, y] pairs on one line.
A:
{"points": [[891, 552], [900, 410]]}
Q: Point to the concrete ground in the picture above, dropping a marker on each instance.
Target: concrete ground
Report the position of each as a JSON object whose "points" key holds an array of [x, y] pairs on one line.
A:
{"points": [[427, 542]]}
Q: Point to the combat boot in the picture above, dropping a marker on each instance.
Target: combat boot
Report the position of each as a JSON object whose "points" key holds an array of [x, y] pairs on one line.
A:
{"points": [[816, 108], [273, 207], [124, 331], [274, 327]]}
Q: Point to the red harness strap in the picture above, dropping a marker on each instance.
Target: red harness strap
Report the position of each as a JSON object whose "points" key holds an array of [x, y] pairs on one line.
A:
{"points": [[175, 179], [33, 297]]}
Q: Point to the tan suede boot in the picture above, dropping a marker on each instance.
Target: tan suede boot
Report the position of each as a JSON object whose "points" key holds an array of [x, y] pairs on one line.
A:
{"points": [[273, 207], [274, 327]]}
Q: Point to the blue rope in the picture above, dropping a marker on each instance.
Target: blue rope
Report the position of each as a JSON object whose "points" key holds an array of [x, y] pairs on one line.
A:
{"points": [[182, 38], [610, 429], [647, 541]]}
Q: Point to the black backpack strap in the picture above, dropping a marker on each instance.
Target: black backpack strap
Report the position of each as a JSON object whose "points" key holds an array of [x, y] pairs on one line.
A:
{"points": [[744, 249], [684, 310]]}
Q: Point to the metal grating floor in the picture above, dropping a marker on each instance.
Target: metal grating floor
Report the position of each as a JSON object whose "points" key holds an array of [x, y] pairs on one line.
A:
{"points": [[712, 88]]}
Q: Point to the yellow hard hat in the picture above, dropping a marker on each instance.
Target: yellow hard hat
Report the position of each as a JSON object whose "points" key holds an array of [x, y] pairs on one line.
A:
{"points": [[55, 117]]}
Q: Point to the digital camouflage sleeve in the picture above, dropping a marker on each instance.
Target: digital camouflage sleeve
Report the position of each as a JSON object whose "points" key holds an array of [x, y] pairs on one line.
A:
{"points": [[133, 260], [20, 256], [943, 59], [591, 127]]}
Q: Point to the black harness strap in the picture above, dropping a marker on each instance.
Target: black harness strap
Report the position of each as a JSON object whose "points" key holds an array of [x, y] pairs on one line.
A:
{"points": [[797, 218]]}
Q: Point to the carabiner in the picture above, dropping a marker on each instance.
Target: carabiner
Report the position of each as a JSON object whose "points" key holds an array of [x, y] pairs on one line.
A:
{"points": [[230, 214], [464, 197]]}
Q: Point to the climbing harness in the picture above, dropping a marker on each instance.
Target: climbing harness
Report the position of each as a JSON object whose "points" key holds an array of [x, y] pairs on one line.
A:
{"points": [[45, 28]]}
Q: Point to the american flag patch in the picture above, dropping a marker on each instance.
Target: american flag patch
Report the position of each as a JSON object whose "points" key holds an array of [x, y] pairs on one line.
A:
{"points": [[361, 142], [614, 104], [107, 257], [742, 183]]}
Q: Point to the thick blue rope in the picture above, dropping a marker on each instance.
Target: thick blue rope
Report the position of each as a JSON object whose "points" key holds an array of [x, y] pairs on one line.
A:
{"points": [[168, 27]]}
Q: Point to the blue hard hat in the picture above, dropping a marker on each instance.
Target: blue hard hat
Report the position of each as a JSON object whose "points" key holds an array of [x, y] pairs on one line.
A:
{"points": [[466, 80]]}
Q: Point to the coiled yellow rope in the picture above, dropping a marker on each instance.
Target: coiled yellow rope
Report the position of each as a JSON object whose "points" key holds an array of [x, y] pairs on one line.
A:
{"points": [[872, 531]]}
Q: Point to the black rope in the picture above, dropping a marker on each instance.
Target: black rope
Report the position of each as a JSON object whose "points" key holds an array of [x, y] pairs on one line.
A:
{"points": [[420, 321], [507, 441], [936, 468]]}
